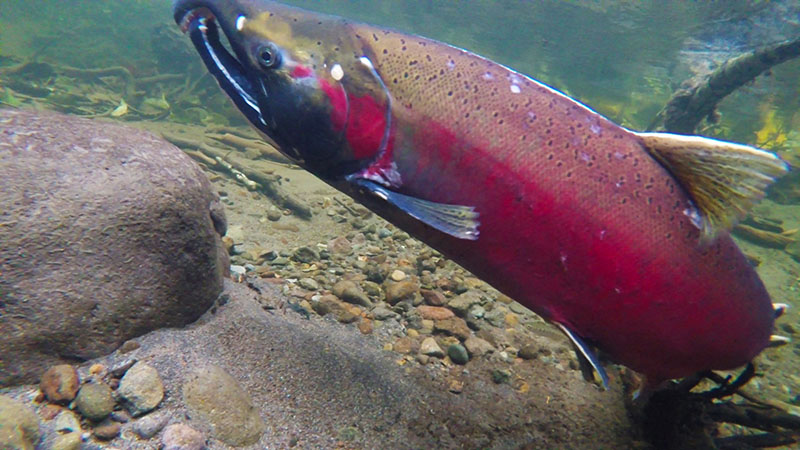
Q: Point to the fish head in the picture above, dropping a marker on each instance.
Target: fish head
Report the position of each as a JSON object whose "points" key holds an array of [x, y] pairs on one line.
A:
{"points": [[300, 78]]}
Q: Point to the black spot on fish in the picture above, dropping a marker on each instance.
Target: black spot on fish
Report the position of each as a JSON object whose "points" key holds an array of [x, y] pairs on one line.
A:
{"points": [[375, 37], [385, 52], [428, 57]]}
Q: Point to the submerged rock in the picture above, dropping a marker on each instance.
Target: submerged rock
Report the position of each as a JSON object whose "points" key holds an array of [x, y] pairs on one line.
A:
{"points": [[218, 399], [109, 232], [19, 426], [94, 401], [60, 383], [142, 389], [182, 437]]}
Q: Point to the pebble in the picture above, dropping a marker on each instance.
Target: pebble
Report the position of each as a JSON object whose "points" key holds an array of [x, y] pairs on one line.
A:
{"points": [[65, 441], [458, 354], [238, 270], [398, 275], [496, 317], [19, 426], [308, 283], [384, 233], [454, 326], [67, 422], [433, 298], [305, 255], [511, 320], [274, 214], [107, 430], [182, 437], [382, 312], [330, 304], [350, 292], [462, 303], [149, 425], [434, 312], [429, 347], [94, 401], [500, 376], [528, 351], [340, 246], [365, 326], [280, 261], [60, 383], [142, 389], [215, 397], [477, 346], [396, 292], [372, 289], [404, 345]]}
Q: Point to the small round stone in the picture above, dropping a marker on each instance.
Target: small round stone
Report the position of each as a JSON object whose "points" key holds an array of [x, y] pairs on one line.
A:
{"points": [[60, 383], [94, 401], [142, 388], [429, 347], [458, 354], [106, 431], [398, 275], [149, 425], [182, 437]]}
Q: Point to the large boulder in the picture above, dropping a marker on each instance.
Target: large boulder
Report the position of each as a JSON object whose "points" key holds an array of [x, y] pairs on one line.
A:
{"points": [[106, 232]]}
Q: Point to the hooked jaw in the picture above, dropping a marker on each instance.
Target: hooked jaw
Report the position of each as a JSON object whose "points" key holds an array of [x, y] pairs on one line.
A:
{"points": [[201, 23]]}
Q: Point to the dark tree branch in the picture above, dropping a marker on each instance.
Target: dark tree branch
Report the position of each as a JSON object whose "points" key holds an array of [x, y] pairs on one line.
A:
{"points": [[698, 97]]}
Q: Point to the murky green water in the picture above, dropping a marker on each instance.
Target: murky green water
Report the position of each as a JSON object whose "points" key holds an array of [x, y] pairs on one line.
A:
{"points": [[622, 58]]}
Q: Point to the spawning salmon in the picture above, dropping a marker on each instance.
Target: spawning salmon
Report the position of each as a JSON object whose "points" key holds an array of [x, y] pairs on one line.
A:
{"points": [[619, 238]]}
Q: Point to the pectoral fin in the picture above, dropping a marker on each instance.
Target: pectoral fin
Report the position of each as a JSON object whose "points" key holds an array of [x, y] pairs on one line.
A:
{"points": [[456, 220], [723, 179], [586, 357]]}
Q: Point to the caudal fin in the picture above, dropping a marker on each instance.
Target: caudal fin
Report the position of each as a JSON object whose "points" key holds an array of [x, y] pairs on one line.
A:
{"points": [[724, 179]]}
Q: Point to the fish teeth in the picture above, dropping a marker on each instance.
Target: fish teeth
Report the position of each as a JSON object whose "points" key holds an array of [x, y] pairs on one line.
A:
{"points": [[779, 308], [778, 341]]}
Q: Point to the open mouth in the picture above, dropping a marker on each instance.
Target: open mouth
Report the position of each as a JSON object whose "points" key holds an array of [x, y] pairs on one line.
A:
{"points": [[202, 27]]}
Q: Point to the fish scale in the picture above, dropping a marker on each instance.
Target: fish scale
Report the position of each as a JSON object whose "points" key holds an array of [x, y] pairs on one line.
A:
{"points": [[617, 237]]}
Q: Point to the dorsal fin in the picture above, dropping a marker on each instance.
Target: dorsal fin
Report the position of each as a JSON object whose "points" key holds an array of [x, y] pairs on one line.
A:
{"points": [[724, 179]]}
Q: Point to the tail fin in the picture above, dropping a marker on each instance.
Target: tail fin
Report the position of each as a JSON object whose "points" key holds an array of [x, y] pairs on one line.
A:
{"points": [[724, 179]]}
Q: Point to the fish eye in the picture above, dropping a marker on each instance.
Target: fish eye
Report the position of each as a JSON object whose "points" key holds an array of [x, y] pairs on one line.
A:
{"points": [[268, 56]]}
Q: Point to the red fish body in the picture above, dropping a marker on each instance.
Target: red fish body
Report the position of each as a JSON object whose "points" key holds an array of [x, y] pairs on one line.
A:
{"points": [[608, 233]]}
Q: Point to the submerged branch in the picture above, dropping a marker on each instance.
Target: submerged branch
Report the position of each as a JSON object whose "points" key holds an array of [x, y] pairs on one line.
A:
{"points": [[698, 97], [253, 179]]}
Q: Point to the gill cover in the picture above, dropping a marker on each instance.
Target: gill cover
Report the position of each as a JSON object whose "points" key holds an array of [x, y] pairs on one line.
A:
{"points": [[300, 78]]}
